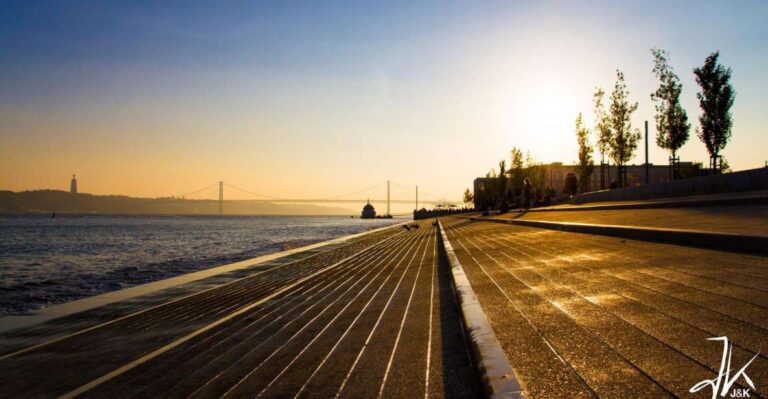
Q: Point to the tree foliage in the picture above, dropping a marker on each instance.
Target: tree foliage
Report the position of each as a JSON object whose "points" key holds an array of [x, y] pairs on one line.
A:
{"points": [[535, 171], [602, 124], [502, 188], [716, 99], [624, 139], [468, 197], [503, 175], [671, 119], [516, 173], [517, 159], [586, 164]]}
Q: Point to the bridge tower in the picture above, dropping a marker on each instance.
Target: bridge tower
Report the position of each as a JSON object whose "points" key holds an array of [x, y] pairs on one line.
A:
{"points": [[221, 198], [388, 198]]}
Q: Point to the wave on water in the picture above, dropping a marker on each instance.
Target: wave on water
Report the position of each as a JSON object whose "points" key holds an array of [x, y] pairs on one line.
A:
{"points": [[46, 261]]}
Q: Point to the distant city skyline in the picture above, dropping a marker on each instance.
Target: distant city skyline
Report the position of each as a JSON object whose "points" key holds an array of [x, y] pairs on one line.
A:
{"points": [[314, 99]]}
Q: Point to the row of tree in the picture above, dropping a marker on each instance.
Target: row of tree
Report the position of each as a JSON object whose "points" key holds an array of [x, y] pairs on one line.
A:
{"points": [[616, 138], [504, 186]]}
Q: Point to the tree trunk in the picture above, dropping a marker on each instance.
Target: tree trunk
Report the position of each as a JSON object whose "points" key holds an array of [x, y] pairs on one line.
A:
{"points": [[602, 171], [673, 167], [715, 163]]}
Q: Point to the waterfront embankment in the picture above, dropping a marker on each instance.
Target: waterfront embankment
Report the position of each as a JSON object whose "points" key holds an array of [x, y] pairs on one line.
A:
{"points": [[375, 313], [47, 261], [466, 307]]}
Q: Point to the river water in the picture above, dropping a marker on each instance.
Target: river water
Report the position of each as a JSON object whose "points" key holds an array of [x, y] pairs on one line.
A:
{"points": [[45, 261]]}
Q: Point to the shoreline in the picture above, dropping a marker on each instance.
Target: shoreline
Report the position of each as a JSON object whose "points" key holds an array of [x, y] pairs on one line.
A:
{"points": [[48, 214], [39, 316]]}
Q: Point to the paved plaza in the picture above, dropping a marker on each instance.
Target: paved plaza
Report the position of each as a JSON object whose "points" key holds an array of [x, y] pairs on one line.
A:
{"points": [[576, 315], [583, 315]]}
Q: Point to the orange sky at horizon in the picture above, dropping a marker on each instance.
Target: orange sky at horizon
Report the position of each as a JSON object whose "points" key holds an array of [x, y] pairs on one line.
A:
{"points": [[434, 101]]}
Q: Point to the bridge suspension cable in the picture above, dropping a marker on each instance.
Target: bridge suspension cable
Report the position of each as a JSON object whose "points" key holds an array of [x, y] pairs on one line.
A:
{"points": [[249, 192], [422, 193], [344, 198], [358, 191], [198, 190]]}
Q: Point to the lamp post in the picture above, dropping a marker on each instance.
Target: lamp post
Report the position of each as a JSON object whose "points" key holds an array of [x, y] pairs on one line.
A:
{"points": [[647, 165]]}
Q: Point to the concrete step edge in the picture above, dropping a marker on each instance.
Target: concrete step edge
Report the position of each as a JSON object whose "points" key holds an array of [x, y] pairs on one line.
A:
{"points": [[496, 373], [710, 240], [671, 203]]}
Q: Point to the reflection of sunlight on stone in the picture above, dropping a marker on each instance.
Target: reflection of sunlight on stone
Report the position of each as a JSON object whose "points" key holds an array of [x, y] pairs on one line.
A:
{"points": [[548, 262], [603, 298], [545, 307], [520, 266], [593, 255], [533, 234], [578, 257], [542, 286], [568, 258], [566, 303]]}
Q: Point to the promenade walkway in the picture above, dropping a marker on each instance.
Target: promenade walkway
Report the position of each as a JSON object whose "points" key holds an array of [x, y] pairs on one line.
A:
{"points": [[374, 318], [577, 316], [582, 315], [750, 219]]}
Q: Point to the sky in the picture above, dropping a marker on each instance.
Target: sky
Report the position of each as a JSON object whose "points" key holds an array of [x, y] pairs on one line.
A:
{"points": [[317, 99]]}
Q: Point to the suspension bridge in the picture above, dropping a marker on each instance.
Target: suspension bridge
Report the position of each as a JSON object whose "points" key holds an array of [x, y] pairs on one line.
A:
{"points": [[353, 197]]}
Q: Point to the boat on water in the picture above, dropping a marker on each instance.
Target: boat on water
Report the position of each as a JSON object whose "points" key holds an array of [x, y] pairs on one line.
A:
{"points": [[369, 212]]}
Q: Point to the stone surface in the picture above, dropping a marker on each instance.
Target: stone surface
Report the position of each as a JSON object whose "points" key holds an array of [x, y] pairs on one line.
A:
{"points": [[375, 316], [582, 315]]}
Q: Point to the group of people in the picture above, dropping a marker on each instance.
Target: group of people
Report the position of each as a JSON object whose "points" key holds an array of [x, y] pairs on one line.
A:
{"points": [[530, 196], [424, 213]]}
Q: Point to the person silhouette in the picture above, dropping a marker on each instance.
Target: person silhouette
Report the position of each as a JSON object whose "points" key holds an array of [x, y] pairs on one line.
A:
{"points": [[526, 194]]}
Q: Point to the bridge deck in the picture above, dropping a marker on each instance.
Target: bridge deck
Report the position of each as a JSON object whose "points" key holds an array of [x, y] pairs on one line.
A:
{"points": [[581, 315], [373, 317]]}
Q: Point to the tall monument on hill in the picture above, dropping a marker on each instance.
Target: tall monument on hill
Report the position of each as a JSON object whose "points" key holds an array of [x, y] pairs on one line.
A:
{"points": [[73, 185]]}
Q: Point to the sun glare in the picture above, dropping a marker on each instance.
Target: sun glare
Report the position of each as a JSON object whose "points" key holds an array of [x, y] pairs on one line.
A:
{"points": [[543, 119]]}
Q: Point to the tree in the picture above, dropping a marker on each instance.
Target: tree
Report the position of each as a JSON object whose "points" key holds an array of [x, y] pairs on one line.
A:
{"points": [[586, 164], [517, 159], [502, 193], [603, 130], [468, 197], [624, 139], [725, 167], [671, 119], [716, 99], [516, 173], [489, 194], [535, 171]]}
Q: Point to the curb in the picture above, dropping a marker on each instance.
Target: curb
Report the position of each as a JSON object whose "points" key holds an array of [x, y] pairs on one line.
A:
{"points": [[656, 204], [498, 378], [695, 238]]}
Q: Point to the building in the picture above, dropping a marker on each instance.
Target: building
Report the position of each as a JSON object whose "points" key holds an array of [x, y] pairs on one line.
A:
{"points": [[73, 185], [553, 175], [556, 172], [368, 211]]}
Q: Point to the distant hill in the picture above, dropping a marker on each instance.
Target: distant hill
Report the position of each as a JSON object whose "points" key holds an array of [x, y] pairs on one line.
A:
{"points": [[63, 202]]}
